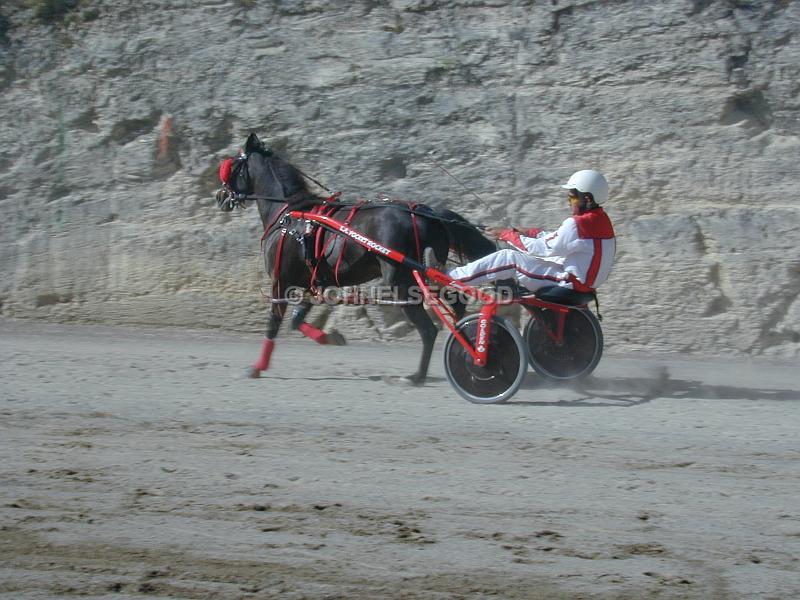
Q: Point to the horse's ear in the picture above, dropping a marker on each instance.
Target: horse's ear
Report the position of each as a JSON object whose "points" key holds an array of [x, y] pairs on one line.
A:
{"points": [[252, 144]]}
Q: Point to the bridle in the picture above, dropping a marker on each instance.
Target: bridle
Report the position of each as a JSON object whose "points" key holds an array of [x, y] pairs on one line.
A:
{"points": [[227, 198]]}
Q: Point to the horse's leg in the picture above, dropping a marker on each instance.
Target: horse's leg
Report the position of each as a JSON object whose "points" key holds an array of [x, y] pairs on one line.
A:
{"points": [[333, 338], [299, 324], [427, 331], [274, 324], [402, 282]]}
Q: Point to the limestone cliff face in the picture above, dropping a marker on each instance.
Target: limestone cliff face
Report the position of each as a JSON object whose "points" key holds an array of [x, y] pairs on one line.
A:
{"points": [[113, 123]]}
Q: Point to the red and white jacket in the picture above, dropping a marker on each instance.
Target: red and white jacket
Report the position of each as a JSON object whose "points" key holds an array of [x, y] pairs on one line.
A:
{"points": [[584, 244]]}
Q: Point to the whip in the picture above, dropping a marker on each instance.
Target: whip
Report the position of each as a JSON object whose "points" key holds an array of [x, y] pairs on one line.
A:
{"points": [[432, 156]]}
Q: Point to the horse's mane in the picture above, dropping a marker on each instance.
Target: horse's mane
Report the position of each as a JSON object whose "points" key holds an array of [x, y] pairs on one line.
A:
{"points": [[289, 177]]}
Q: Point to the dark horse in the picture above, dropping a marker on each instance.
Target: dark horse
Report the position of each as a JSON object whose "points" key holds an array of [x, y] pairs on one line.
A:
{"points": [[304, 259]]}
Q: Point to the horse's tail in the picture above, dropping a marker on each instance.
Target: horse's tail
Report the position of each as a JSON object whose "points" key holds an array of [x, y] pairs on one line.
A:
{"points": [[466, 239]]}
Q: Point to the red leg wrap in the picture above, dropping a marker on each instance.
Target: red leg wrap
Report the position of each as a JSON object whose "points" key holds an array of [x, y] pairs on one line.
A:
{"points": [[313, 333], [266, 351]]}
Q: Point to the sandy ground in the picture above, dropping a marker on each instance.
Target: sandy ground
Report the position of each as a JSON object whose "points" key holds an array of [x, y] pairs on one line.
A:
{"points": [[137, 463]]}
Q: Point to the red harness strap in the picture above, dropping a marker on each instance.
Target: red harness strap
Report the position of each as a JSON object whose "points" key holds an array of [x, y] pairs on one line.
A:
{"points": [[321, 245], [276, 272], [347, 221], [412, 206], [276, 286], [275, 219], [319, 248]]}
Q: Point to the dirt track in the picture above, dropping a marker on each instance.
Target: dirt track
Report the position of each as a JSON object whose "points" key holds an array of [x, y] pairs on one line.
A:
{"points": [[137, 463]]}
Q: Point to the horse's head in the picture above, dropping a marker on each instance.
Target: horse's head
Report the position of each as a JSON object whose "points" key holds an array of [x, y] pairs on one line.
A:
{"points": [[257, 174]]}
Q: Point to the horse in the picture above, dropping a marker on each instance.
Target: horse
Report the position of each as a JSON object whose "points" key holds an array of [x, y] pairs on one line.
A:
{"points": [[278, 187]]}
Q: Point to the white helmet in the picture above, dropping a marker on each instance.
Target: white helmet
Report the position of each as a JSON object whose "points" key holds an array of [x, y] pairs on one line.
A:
{"points": [[591, 182]]}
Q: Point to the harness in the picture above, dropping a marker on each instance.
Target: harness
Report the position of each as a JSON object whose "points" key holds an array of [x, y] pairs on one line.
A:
{"points": [[317, 242]]}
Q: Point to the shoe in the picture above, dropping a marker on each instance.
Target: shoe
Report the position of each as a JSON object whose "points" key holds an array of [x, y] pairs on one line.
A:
{"points": [[510, 288]]}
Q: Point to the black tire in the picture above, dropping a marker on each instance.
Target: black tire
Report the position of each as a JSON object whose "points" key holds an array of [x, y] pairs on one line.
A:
{"points": [[578, 354], [501, 377]]}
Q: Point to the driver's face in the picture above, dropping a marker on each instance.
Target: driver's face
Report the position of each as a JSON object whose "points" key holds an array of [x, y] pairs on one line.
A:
{"points": [[574, 202]]}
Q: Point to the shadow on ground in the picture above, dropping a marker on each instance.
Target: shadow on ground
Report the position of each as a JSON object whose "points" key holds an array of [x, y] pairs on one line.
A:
{"points": [[632, 391]]}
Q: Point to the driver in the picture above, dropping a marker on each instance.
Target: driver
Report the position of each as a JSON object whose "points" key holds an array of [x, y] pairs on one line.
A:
{"points": [[578, 255]]}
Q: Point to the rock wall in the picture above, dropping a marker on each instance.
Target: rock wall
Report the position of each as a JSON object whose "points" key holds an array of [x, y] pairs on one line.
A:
{"points": [[113, 121]]}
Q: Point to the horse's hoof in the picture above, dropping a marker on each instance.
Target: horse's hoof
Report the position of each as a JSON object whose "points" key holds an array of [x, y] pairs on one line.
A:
{"points": [[252, 373], [335, 338], [408, 381], [414, 380]]}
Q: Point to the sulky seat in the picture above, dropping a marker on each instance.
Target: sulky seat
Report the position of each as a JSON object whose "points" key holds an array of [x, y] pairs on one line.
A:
{"points": [[561, 295]]}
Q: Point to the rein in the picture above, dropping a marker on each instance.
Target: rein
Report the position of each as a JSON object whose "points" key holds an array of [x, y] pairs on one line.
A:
{"points": [[227, 199], [237, 200]]}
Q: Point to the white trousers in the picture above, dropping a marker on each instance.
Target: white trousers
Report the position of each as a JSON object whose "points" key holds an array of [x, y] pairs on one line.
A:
{"points": [[529, 271]]}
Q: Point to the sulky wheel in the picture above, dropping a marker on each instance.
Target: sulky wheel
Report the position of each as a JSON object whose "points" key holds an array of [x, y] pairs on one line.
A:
{"points": [[505, 368], [576, 355]]}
